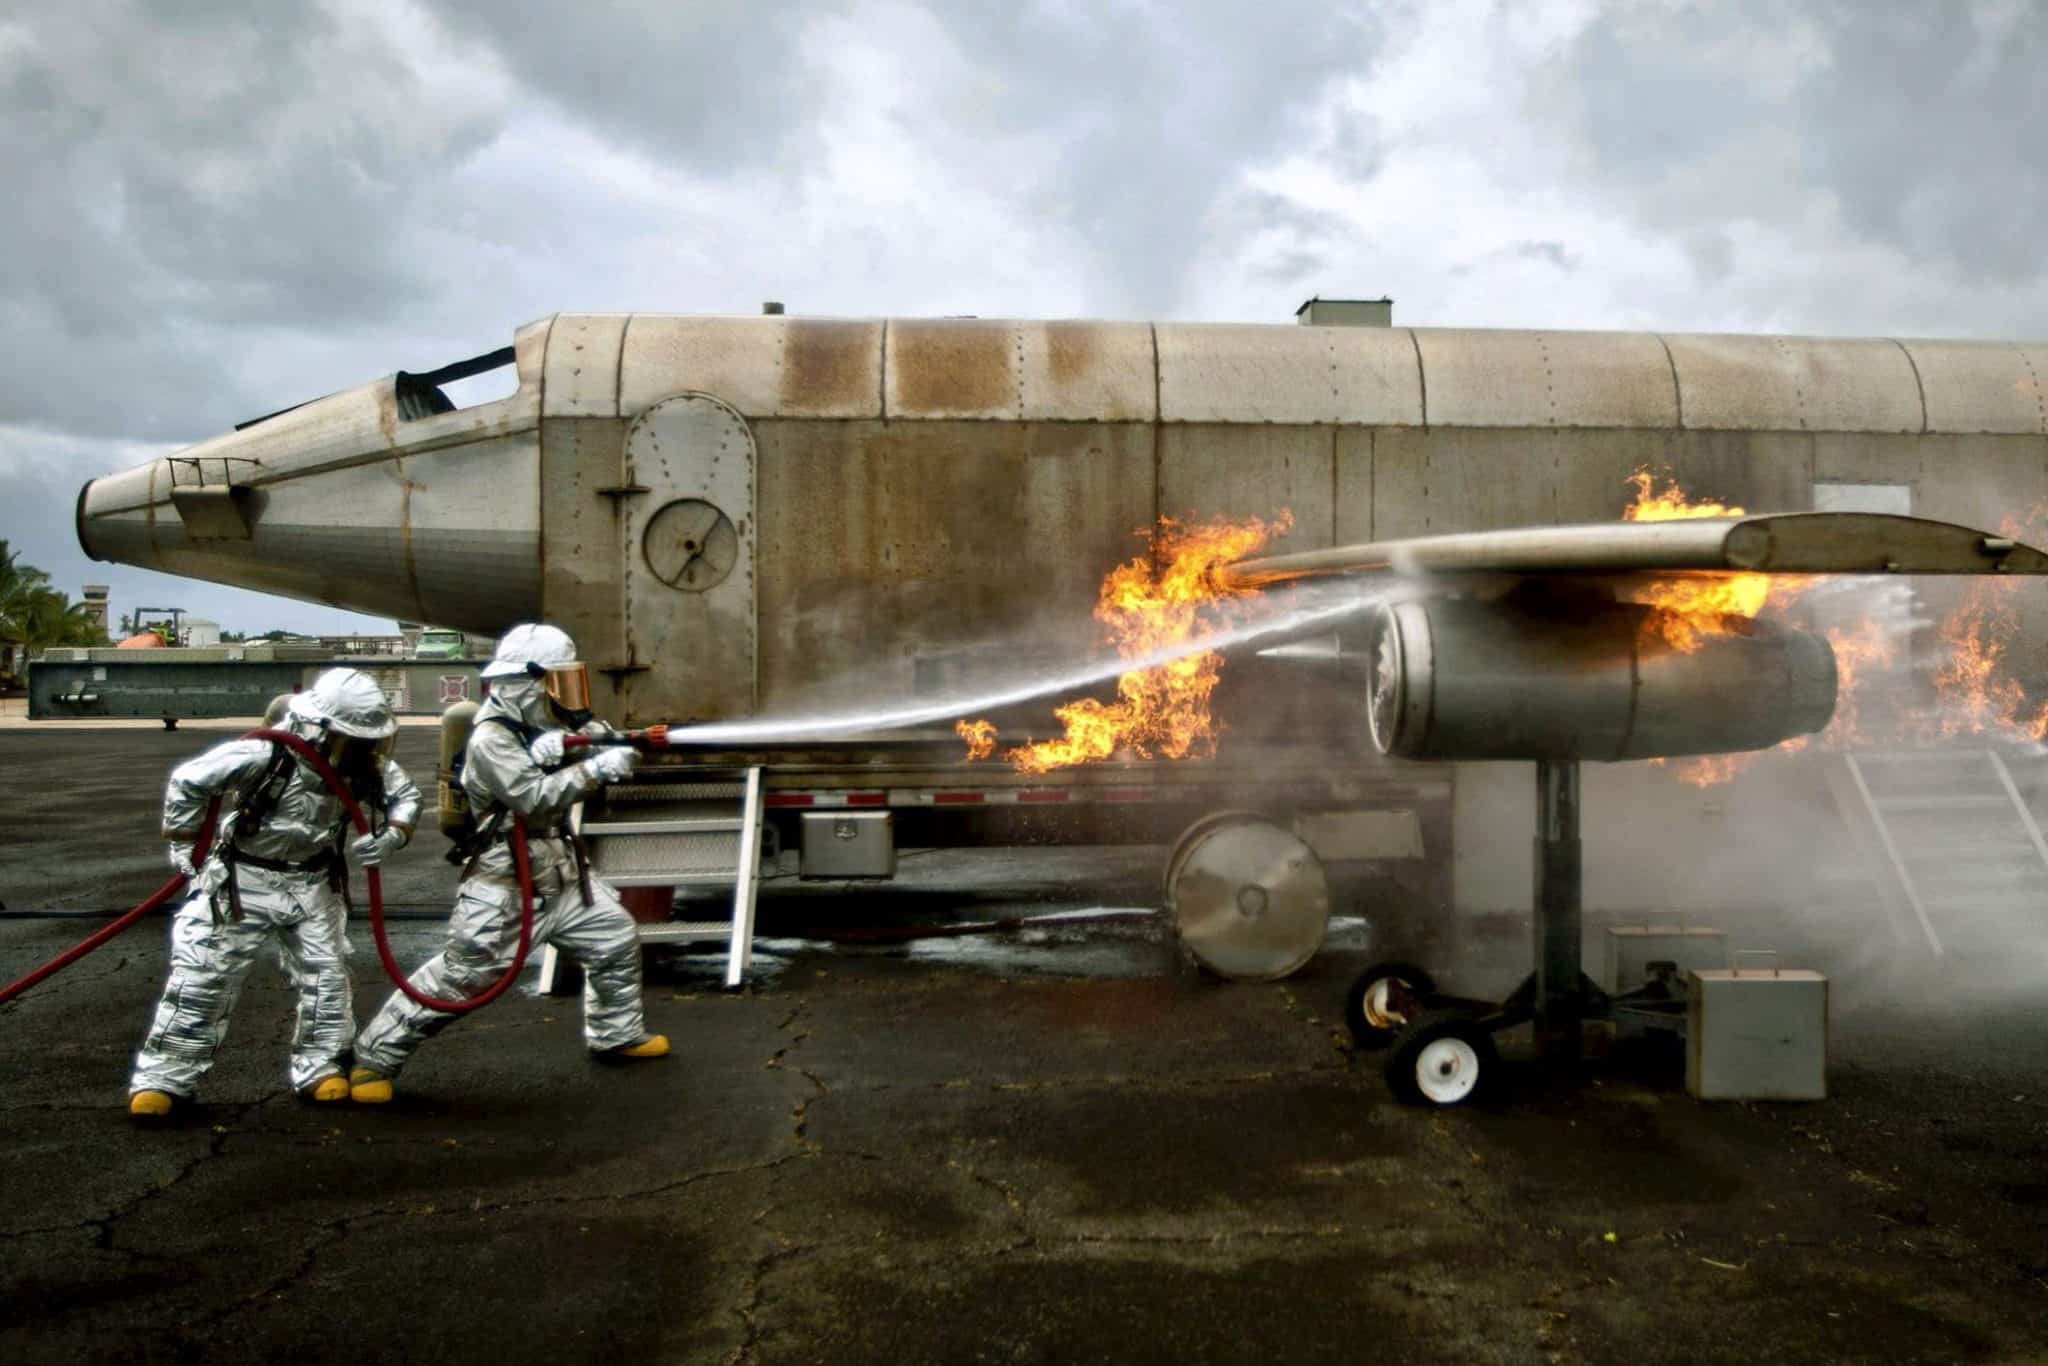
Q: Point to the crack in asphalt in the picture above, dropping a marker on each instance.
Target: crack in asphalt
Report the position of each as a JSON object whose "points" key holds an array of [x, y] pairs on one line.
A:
{"points": [[62, 983], [748, 1311], [1339, 1038], [799, 1114], [215, 1147], [1020, 1216], [1119, 1081], [332, 1232]]}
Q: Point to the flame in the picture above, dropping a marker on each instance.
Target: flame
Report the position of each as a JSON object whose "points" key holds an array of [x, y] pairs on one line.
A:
{"points": [[1692, 608], [1977, 691], [1860, 651], [980, 737], [1671, 505], [1149, 604]]}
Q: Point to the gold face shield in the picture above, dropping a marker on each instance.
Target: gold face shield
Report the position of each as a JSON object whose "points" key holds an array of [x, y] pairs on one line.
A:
{"points": [[568, 686]]}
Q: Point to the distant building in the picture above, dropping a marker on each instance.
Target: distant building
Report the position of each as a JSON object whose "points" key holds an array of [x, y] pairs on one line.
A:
{"points": [[94, 597], [200, 633]]}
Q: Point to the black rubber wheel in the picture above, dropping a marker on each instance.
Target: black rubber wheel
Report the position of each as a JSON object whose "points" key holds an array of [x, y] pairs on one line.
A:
{"points": [[1443, 1059], [1382, 1002]]}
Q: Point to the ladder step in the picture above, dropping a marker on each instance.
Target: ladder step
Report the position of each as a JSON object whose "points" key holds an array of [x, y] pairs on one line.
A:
{"points": [[685, 931], [683, 853], [637, 793], [662, 825]]}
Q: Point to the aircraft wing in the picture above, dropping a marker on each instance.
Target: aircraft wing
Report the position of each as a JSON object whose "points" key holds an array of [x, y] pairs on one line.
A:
{"points": [[1767, 543]]}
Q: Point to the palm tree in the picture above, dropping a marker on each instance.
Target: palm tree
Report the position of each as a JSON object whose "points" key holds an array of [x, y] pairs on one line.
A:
{"points": [[33, 615], [52, 618]]}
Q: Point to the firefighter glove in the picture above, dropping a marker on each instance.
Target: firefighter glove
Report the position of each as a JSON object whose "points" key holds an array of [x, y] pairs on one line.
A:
{"points": [[612, 765], [371, 850]]}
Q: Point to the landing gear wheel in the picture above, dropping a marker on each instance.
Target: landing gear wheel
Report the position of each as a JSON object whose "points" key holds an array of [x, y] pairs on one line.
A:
{"points": [[1384, 1000], [1248, 899], [1443, 1059]]}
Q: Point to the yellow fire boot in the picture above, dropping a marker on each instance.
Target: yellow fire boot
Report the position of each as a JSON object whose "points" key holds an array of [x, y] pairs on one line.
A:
{"points": [[151, 1104], [369, 1088], [327, 1089], [653, 1046]]}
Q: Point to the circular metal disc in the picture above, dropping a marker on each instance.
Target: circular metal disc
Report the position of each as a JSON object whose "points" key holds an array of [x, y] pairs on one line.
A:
{"points": [[691, 545], [1249, 899], [1446, 1070]]}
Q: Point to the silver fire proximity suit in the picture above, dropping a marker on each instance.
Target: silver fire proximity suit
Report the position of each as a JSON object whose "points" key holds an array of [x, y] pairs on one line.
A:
{"points": [[574, 909], [271, 881]]}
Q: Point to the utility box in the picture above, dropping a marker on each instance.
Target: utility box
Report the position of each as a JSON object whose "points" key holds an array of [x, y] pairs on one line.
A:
{"points": [[1321, 312], [849, 844], [1756, 1034], [1626, 952]]}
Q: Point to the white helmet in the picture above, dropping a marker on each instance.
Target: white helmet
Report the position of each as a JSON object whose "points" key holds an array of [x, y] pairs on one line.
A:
{"points": [[534, 643], [347, 701]]}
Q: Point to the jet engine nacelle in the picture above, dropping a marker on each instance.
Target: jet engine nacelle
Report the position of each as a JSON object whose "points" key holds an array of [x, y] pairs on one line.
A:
{"points": [[1540, 676]]}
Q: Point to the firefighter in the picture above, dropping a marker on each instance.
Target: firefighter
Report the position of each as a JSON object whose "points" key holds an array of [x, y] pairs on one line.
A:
{"points": [[512, 766], [275, 874]]}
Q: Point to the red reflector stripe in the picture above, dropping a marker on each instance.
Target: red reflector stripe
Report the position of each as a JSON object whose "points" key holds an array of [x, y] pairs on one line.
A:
{"points": [[867, 799], [955, 798], [788, 799], [1046, 795]]}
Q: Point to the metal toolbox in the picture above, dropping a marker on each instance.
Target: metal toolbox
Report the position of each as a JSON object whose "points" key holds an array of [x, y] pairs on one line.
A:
{"points": [[1756, 1034], [1628, 950], [849, 844]]}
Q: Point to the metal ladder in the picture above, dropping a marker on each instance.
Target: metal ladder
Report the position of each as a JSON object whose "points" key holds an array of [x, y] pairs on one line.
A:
{"points": [[1952, 845], [680, 834]]}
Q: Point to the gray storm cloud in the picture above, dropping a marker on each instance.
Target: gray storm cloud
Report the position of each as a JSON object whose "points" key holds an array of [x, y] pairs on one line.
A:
{"points": [[219, 210]]}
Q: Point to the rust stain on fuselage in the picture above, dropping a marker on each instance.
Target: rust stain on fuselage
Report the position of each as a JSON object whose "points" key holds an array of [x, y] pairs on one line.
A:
{"points": [[830, 366], [951, 367], [1071, 350]]}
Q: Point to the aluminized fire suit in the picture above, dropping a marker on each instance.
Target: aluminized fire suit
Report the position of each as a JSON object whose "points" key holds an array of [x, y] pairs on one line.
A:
{"points": [[289, 896], [501, 775]]}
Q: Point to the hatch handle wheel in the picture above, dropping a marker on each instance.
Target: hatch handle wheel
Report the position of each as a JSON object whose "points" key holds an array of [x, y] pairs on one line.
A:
{"points": [[1384, 1000], [1444, 1058]]}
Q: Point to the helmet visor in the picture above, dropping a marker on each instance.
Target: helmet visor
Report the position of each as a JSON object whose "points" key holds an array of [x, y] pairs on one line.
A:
{"points": [[568, 686]]}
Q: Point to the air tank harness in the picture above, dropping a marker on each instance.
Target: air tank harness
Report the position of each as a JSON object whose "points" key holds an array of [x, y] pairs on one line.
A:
{"points": [[335, 785]]}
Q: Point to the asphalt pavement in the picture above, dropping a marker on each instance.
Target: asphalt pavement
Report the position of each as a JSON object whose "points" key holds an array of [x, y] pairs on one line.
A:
{"points": [[1047, 1145]]}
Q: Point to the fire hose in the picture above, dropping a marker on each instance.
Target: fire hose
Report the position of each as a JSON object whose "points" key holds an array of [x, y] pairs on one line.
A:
{"points": [[204, 843]]}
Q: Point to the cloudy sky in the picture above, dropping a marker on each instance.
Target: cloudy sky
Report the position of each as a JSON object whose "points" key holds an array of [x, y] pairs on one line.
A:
{"points": [[219, 209]]}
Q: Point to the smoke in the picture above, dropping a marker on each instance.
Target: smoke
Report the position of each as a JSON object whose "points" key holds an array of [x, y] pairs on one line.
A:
{"points": [[1900, 847]]}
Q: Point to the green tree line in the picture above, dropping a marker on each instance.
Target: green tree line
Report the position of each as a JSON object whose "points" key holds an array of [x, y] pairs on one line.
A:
{"points": [[33, 615]]}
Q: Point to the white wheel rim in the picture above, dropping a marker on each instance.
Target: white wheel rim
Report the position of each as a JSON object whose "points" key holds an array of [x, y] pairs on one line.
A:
{"points": [[1446, 1070], [1379, 1010]]}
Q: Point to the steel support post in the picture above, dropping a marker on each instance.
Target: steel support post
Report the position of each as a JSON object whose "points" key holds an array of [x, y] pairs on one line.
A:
{"points": [[1560, 887]]}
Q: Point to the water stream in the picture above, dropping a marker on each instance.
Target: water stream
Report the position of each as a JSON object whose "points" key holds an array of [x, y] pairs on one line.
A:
{"points": [[1303, 608]]}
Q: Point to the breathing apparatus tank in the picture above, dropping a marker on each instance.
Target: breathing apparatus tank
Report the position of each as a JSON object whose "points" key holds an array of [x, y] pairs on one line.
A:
{"points": [[273, 715], [456, 724]]}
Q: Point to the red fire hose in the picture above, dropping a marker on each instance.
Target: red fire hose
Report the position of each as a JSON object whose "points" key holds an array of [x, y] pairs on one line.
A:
{"points": [[335, 785], [101, 936]]}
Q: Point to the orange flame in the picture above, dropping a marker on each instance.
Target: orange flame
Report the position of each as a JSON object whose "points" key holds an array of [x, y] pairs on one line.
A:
{"points": [[980, 737], [1692, 608], [1150, 604], [1977, 691]]}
